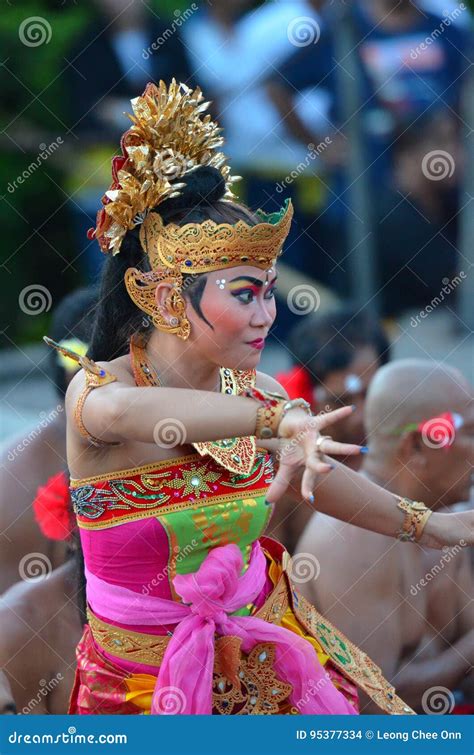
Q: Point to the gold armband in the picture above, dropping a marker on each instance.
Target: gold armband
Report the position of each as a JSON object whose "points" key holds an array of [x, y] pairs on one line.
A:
{"points": [[416, 516]]}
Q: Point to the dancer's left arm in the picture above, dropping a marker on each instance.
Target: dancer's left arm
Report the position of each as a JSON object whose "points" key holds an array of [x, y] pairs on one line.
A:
{"points": [[349, 496]]}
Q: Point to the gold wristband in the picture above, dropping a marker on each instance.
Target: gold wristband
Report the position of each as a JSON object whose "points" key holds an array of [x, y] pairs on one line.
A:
{"points": [[416, 516], [272, 410]]}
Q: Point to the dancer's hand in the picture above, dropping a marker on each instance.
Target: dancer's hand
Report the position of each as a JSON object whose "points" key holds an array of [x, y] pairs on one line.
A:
{"points": [[456, 528], [299, 449]]}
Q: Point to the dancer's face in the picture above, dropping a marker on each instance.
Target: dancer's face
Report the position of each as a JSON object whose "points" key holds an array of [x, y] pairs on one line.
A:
{"points": [[237, 309]]}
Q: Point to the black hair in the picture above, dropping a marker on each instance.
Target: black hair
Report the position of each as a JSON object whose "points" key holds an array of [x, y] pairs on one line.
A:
{"points": [[326, 343], [117, 315], [72, 318]]}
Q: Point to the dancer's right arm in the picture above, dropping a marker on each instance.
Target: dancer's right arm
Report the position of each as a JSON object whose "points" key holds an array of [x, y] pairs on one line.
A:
{"points": [[119, 412]]}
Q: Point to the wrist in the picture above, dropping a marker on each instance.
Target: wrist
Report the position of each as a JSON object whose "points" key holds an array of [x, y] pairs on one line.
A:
{"points": [[291, 421], [272, 410], [432, 535]]}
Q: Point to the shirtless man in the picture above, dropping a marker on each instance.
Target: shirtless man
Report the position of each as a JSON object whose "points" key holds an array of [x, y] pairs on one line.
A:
{"points": [[41, 627], [29, 461], [417, 602]]}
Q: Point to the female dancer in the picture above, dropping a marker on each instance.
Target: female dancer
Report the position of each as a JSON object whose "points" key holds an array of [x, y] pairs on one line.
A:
{"points": [[190, 609]]}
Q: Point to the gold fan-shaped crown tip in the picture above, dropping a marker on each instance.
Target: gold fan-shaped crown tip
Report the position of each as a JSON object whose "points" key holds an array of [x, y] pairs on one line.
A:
{"points": [[168, 126]]}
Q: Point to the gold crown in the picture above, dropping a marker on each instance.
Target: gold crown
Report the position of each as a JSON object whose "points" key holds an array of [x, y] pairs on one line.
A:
{"points": [[202, 247]]}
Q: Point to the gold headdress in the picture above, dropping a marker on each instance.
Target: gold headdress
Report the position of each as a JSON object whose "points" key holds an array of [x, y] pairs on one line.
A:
{"points": [[171, 137]]}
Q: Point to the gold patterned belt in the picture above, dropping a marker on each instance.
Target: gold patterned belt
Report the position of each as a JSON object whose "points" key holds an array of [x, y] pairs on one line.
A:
{"points": [[352, 662]]}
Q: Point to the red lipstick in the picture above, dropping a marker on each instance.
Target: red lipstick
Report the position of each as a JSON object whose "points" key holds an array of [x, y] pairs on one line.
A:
{"points": [[259, 343]]}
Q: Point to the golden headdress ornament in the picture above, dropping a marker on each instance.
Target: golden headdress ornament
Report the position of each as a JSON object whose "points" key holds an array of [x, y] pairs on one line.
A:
{"points": [[171, 137]]}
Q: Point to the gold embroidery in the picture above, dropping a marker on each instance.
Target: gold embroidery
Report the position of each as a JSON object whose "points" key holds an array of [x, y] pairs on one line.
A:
{"points": [[132, 471], [140, 647], [258, 691], [235, 454], [126, 644], [170, 508], [348, 658], [195, 481]]}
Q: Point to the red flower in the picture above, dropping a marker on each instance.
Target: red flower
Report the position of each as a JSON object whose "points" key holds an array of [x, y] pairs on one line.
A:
{"points": [[52, 507], [297, 383], [439, 432]]}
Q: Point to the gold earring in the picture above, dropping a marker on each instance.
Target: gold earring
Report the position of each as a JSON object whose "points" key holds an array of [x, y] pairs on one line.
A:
{"points": [[141, 288]]}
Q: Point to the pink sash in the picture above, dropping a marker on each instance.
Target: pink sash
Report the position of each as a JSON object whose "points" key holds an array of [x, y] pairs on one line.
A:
{"points": [[210, 594]]}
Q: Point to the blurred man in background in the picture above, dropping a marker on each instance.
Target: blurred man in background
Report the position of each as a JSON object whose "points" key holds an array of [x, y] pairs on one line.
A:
{"points": [[336, 356], [30, 463], [417, 602]]}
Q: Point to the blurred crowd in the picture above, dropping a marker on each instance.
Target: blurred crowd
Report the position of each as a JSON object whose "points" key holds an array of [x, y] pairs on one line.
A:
{"points": [[307, 92], [278, 74]]}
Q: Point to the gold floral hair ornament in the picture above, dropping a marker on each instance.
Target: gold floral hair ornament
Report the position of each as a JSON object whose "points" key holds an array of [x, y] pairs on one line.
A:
{"points": [[170, 136]]}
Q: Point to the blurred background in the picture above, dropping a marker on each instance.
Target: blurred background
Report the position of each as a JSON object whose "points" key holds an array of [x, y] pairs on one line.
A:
{"points": [[361, 111]]}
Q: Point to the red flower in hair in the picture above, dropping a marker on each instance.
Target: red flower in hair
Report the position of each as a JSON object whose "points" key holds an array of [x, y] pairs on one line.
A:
{"points": [[440, 432], [52, 507]]}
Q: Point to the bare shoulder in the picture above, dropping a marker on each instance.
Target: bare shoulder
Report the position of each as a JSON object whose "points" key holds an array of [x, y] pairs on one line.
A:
{"points": [[268, 383], [119, 368]]}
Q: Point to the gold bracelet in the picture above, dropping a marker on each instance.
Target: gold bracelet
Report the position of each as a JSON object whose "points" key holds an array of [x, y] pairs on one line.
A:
{"points": [[416, 516]]}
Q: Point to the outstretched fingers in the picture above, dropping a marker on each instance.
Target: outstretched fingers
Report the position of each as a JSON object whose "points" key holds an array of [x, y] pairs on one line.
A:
{"points": [[280, 484], [333, 447]]}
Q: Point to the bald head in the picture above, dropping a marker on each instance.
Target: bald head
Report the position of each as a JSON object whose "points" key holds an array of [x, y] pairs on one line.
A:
{"points": [[411, 390]]}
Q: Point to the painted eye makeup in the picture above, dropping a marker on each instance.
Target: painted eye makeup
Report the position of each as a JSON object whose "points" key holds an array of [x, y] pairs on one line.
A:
{"points": [[247, 293]]}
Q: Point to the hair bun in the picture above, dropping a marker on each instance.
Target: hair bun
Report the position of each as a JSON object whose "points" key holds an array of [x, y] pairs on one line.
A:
{"points": [[204, 187]]}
